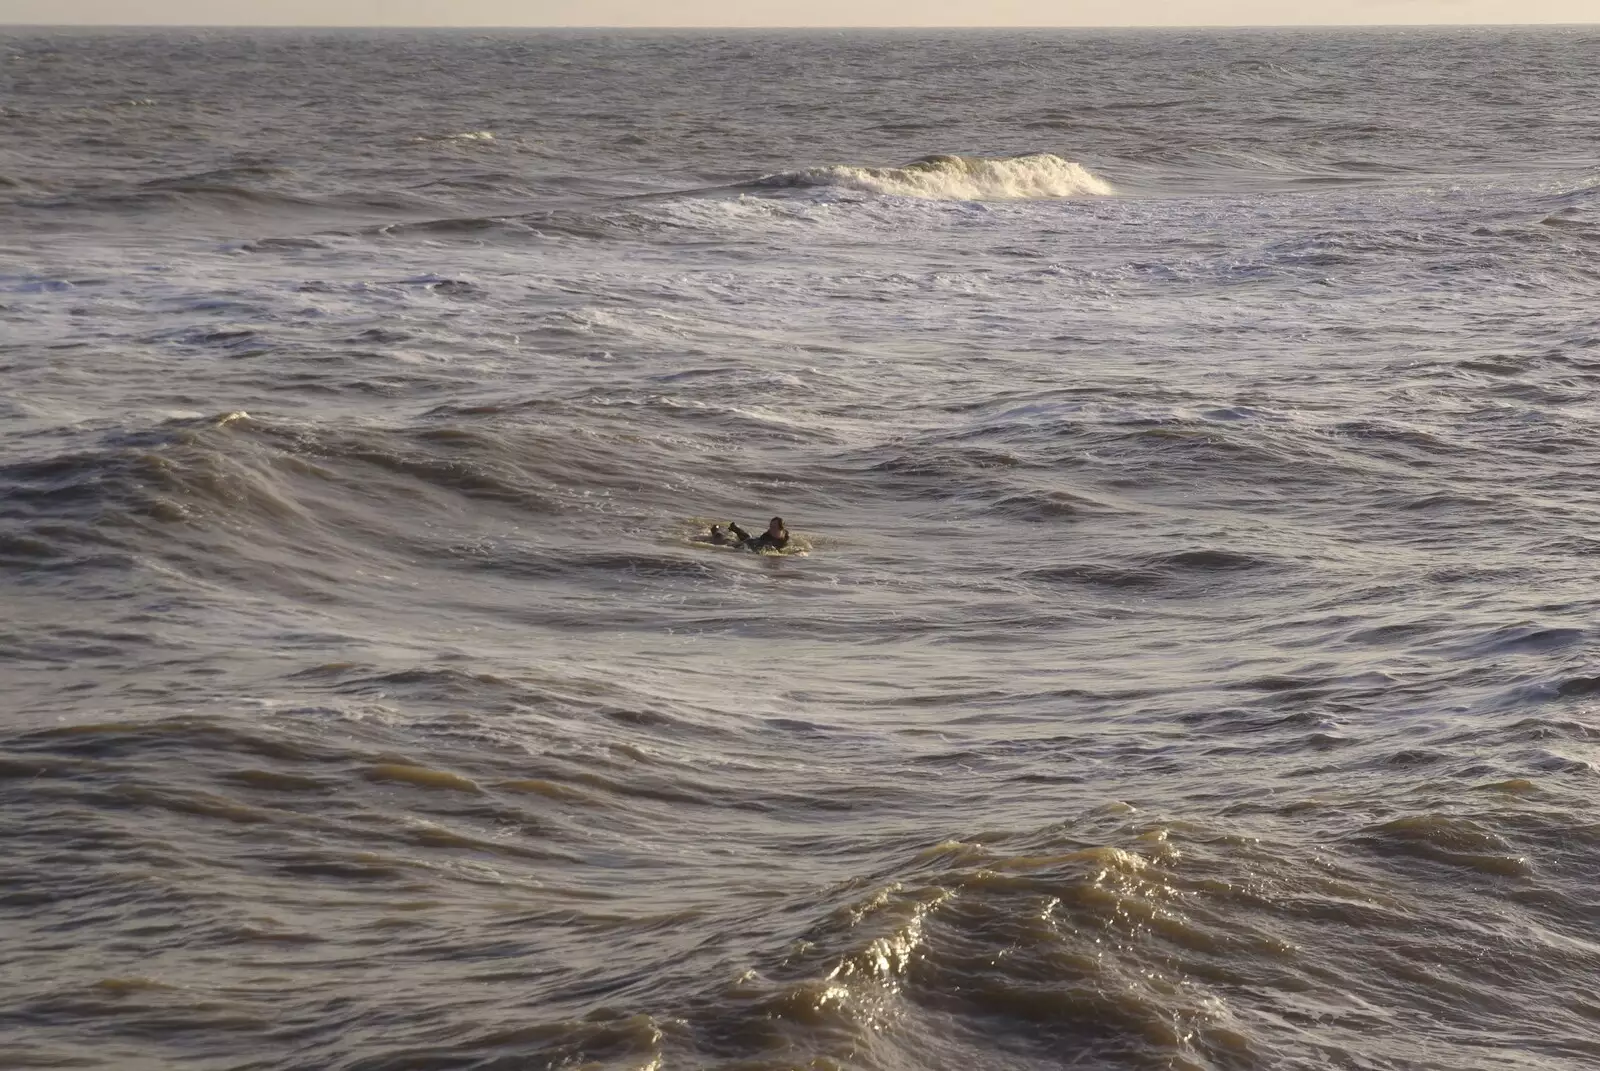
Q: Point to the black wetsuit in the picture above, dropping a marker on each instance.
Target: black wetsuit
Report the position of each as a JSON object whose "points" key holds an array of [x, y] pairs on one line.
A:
{"points": [[764, 541]]}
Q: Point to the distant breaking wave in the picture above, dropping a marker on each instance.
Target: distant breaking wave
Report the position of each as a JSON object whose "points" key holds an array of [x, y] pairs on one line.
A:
{"points": [[468, 135], [958, 178]]}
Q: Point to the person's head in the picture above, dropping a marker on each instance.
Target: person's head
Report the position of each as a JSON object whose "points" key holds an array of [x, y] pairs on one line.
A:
{"points": [[775, 526]]}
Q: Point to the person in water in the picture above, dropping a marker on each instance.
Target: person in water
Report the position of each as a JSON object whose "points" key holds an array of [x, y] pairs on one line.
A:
{"points": [[776, 537]]}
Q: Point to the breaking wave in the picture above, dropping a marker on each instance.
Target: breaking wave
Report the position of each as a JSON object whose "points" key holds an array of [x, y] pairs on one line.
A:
{"points": [[466, 135], [1036, 176]]}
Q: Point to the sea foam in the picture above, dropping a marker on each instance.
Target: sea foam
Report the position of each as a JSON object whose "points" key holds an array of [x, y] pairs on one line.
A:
{"points": [[959, 178]]}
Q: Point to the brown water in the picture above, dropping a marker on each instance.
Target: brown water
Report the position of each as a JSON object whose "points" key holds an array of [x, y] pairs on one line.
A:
{"points": [[1185, 659]]}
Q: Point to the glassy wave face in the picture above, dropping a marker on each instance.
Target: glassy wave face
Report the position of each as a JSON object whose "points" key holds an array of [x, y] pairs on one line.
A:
{"points": [[1183, 659]]}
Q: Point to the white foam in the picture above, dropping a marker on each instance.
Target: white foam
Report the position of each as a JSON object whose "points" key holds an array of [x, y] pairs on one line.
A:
{"points": [[467, 135], [961, 178]]}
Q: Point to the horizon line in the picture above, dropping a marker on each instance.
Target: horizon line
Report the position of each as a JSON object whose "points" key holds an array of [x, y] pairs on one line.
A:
{"points": [[708, 26]]}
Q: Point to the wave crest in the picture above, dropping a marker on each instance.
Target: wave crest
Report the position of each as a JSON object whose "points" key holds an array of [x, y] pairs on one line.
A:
{"points": [[958, 178]]}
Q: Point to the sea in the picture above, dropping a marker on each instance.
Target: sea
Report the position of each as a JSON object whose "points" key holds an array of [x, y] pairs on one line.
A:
{"points": [[1185, 657]]}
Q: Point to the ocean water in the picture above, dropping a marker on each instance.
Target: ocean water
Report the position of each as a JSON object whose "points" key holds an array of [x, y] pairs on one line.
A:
{"points": [[1186, 659]]}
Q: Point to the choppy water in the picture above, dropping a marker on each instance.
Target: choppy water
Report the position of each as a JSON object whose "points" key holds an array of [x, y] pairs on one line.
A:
{"points": [[1193, 662]]}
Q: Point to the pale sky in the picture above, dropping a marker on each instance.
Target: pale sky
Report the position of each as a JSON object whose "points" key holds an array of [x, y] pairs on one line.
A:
{"points": [[801, 13]]}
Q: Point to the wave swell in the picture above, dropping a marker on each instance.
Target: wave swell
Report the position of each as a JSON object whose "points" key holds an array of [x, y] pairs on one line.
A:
{"points": [[1036, 176]]}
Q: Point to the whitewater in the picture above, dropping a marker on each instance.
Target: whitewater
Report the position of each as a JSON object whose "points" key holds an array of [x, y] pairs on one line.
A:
{"points": [[1187, 656]]}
